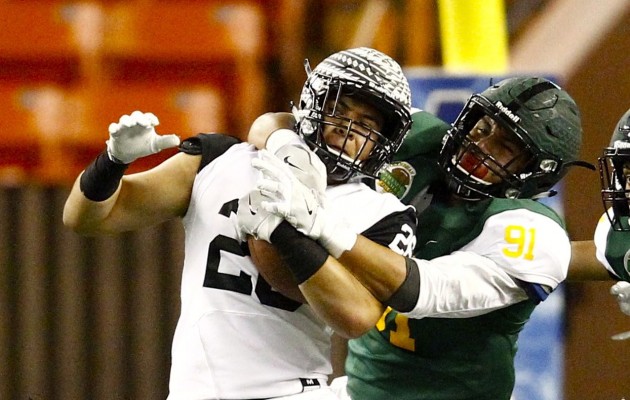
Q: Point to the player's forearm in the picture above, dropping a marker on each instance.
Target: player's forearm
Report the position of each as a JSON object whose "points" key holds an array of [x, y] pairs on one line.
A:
{"points": [[139, 200], [86, 216], [377, 267], [94, 194], [341, 300], [334, 292]]}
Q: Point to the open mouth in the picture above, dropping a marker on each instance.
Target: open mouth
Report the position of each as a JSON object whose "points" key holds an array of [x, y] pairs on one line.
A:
{"points": [[473, 166], [339, 153]]}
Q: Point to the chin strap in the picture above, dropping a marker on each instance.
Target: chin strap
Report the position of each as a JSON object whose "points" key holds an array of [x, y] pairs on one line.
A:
{"points": [[580, 163], [544, 195]]}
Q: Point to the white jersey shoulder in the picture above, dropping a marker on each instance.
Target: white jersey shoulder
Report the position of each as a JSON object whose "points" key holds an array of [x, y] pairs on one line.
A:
{"points": [[480, 276], [528, 246], [361, 206]]}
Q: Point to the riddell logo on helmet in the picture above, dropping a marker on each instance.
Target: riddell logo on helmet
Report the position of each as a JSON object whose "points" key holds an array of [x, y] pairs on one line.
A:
{"points": [[507, 112]]}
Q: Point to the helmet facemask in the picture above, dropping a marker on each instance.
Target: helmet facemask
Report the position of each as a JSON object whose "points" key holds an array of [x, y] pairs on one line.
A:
{"points": [[329, 112], [614, 172]]}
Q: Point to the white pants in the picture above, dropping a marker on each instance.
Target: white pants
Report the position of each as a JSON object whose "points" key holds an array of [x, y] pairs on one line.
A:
{"points": [[338, 386]]}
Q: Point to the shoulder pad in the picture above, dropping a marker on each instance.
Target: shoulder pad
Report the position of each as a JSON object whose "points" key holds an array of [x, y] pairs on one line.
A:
{"points": [[191, 146], [208, 145]]}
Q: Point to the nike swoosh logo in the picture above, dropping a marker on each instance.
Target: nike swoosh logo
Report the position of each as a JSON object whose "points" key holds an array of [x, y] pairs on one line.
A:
{"points": [[286, 161], [308, 208], [249, 203]]}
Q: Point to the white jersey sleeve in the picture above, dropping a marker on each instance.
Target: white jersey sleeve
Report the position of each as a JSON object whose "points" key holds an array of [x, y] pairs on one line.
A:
{"points": [[516, 248], [600, 238], [463, 284], [380, 217], [528, 246]]}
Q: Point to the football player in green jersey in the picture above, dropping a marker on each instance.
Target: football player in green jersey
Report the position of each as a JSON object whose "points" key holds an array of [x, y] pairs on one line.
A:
{"points": [[444, 323], [612, 236], [607, 257]]}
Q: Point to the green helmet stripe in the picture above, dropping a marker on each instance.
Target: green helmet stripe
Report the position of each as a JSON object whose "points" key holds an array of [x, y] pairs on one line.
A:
{"points": [[529, 93]]}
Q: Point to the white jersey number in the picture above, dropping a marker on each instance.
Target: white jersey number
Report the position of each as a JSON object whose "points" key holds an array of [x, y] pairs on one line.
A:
{"points": [[404, 242]]}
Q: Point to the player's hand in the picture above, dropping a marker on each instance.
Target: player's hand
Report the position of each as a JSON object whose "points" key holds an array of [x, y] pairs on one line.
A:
{"points": [[307, 167], [621, 291], [253, 219], [266, 125], [134, 136], [302, 206], [286, 196]]}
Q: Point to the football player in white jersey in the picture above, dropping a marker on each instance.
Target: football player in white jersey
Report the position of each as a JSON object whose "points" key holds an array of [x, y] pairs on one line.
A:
{"points": [[487, 252], [237, 337]]}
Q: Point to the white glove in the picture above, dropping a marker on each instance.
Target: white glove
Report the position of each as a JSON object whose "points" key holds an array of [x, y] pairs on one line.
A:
{"points": [[621, 291], [305, 165], [301, 206], [253, 220], [134, 137]]}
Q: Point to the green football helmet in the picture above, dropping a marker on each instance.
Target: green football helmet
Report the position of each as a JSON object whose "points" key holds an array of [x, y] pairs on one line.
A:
{"points": [[538, 116], [614, 171], [372, 77]]}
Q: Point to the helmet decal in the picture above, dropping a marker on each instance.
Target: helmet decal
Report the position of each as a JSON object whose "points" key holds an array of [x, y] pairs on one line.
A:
{"points": [[380, 72], [396, 178], [507, 112]]}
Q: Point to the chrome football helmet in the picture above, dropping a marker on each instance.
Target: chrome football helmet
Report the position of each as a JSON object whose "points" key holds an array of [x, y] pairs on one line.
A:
{"points": [[372, 78], [538, 117], [614, 171]]}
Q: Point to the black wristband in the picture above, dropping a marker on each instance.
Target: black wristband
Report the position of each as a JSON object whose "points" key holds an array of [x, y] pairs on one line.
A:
{"points": [[406, 296], [101, 178], [301, 254]]}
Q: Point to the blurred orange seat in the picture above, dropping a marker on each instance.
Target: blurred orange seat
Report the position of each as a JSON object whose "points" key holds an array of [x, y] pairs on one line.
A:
{"points": [[19, 136], [209, 31], [37, 120], [46, 41], [216, 42]]}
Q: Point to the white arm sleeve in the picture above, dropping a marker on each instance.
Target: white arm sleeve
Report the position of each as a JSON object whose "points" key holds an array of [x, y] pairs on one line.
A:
{"points": [[515, 249], [463, 284], [600, 238]]}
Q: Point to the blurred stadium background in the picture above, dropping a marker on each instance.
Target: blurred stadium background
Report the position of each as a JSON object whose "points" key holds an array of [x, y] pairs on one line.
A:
{"points": [[92, 318]]}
